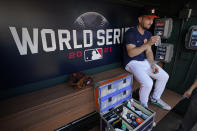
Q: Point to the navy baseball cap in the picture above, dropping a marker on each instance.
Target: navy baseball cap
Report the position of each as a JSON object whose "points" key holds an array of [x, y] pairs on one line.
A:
{"points": [[148, 12]]}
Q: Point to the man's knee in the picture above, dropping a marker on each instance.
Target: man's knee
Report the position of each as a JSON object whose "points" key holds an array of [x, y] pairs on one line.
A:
{"points": [[147, 84], [165, 76]]}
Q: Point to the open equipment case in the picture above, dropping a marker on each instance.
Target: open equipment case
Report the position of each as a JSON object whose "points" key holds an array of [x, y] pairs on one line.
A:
{"points": [[118, 110]]}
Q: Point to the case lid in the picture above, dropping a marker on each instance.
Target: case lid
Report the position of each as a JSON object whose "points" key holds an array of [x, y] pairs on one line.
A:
{"points": [[114, 91]]}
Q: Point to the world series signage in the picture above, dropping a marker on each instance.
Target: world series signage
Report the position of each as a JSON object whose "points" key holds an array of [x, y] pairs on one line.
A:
{"points": [[44, 40]]}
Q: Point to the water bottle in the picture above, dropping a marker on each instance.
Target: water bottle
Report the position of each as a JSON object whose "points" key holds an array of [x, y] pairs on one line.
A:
{"points": [[158, 43]]}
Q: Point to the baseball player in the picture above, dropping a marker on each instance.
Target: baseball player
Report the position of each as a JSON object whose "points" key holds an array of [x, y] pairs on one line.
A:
{"points": [[139, 60]]}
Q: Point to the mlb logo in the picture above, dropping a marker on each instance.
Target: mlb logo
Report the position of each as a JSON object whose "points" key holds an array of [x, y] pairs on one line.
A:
{"points": [[93, 54]]}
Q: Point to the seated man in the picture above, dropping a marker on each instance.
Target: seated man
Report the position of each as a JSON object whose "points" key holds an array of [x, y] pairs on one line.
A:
{"points": [[138, 60], [190, 117]]}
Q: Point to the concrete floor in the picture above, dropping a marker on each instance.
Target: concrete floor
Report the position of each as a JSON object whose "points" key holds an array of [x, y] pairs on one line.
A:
{"points": [[170, 122]]}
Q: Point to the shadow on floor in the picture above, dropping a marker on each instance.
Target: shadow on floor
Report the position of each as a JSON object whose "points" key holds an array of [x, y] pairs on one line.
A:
{"points": [[173, 119]]}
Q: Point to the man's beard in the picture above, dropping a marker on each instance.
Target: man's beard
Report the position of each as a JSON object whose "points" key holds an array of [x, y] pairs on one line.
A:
{"points": [[143, 27]]}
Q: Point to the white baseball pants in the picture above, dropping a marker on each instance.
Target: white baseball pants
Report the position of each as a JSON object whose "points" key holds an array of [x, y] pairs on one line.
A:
{"points": [[142, 71]]}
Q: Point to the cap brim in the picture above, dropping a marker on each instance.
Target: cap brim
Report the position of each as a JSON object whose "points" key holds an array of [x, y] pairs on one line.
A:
{"points": [[151, 16]]}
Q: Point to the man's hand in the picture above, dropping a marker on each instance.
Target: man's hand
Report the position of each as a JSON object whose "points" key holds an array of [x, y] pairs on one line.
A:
{"points": [[153, 40], [155, 69], [188, 93], [190, 90]]}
